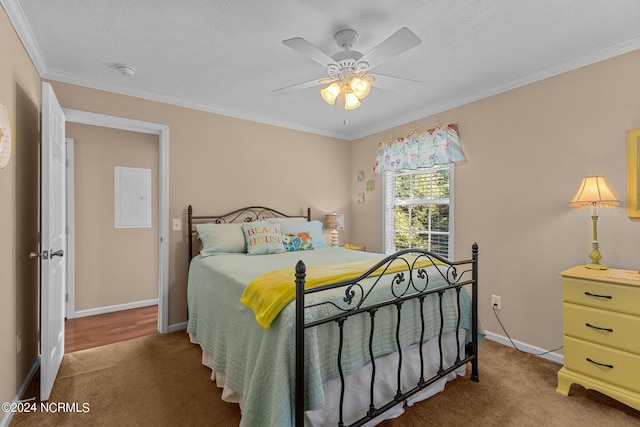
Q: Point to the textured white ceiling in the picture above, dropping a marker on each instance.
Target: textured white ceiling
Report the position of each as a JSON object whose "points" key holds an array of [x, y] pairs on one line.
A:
{"points": [[227, 56]]}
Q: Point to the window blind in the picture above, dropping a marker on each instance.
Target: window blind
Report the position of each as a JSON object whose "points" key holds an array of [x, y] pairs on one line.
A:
{"points": [[418, 210]]}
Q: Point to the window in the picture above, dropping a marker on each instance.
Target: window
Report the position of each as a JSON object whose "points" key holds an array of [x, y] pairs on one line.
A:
{"points": [[418, 210]]}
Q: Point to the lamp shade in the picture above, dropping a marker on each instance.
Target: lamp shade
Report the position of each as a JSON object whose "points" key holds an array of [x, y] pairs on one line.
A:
{"points": [[360, 87], [351, 101], [594, 191], [334, 221], [330, 93]]}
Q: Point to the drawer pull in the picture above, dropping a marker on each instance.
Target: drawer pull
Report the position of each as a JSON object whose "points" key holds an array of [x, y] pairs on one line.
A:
{"points": [[598, 296], [598, 327], [599, 364]]}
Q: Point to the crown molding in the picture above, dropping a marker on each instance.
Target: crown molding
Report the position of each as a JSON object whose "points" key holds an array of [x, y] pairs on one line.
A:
{"points": [[23, 29], [21, 25], [179, 102], [535, 76]]}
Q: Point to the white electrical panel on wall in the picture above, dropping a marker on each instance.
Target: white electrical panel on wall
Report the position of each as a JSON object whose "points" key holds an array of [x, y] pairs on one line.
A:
{"points": [[133, 197]]}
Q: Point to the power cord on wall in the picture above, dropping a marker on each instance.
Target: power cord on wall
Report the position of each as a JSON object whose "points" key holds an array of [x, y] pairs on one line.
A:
{"points": [[512, 343]]}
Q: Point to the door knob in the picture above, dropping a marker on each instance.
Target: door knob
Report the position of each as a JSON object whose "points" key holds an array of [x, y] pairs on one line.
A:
{"points": [[34, 255], [59, 252]]}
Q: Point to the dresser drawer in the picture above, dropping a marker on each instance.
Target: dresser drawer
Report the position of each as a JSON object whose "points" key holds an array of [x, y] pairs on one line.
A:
{"points": [[603, 327], [625, 370], [606, 296]]}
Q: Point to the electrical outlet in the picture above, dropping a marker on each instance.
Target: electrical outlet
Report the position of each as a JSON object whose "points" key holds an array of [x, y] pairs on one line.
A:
{"points": [[177, 225], [19, 342], [496, 302]]}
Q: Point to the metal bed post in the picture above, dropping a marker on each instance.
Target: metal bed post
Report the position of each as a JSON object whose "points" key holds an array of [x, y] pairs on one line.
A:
{"points": [[300, 392], [190, 230], [474, 314]]}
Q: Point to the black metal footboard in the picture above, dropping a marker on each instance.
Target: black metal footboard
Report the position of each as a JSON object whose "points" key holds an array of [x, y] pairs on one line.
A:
{"points": [[413, 285]]}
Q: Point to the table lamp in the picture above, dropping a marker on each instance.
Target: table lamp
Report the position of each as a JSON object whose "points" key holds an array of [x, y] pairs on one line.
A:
{"points": [[594, 191], [334, 222]]}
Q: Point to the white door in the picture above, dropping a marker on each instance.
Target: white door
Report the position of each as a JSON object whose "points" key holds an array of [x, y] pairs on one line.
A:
{"points": [[53, 241]]}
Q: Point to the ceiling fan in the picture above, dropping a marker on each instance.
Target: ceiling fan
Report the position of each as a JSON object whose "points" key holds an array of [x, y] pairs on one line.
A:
{"points": [[349, 79]]}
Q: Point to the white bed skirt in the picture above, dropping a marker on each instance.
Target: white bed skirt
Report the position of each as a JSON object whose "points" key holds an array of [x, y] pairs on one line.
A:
{"points": [[357, 385]]}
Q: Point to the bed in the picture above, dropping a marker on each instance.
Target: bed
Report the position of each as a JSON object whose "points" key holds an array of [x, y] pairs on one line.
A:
{"points": [[318, 335]]}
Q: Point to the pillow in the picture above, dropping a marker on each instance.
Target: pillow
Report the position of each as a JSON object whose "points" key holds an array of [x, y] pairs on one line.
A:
{"points": [[316, 234], [262, 238], [221, 239], [312, 227], [301, 241], [293, 219]]}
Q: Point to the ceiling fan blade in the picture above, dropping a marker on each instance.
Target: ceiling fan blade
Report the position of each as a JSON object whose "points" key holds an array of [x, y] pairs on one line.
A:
{"points": [[304, 47], [399, 42], [395, 84], [305, 85]]}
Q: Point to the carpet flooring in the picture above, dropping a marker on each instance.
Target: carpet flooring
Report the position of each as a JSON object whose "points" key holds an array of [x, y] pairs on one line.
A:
{"points": [[159, 381]]}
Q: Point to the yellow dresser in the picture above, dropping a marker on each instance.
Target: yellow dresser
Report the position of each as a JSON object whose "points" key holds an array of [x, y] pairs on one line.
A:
{"points": [[601, 311]]}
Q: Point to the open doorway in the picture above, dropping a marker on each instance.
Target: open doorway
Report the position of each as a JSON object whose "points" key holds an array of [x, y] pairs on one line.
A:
{"points": [[114, 122], [115, 267], [112, 292]]}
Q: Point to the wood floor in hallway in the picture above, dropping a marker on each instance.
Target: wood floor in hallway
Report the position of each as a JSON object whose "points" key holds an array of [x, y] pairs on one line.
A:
{"points": [[101, 329]]}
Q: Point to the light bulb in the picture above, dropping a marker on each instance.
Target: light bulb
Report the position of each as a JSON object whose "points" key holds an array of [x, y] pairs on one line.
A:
{"points": [[330, 93], [351, 101], [360, 87]]}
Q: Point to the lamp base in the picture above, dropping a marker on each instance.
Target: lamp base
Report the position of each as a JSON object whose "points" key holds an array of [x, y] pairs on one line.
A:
{"points": [[593, 266], [334, 238]]}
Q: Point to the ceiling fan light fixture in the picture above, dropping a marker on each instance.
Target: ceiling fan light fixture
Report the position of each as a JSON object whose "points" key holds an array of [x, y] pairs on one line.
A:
{"points": [[351, 101], [330, 93], [360, 87], [347, 69]]}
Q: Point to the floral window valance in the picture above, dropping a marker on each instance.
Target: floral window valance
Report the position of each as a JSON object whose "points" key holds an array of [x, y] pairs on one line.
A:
{"points": [[437, 146]]}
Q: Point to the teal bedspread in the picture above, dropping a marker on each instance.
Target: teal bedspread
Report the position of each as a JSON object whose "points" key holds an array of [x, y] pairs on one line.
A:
{"points": [[259, 364]]}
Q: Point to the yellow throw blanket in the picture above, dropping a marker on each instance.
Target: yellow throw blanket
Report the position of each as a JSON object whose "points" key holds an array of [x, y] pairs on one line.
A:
{"points": [[269, 293]]}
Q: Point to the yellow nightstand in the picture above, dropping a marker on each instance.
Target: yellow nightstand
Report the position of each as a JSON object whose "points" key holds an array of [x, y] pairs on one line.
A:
{"points": [[601, 312]]}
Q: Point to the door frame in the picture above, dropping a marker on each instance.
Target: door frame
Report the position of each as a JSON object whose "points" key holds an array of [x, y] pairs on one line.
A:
{"points": [[162, 130], [71, 246]]}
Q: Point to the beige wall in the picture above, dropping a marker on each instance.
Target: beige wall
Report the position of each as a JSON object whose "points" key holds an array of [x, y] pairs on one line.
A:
{"points": [[112, 266], [218, 163], [527, 151], [20, 93]]}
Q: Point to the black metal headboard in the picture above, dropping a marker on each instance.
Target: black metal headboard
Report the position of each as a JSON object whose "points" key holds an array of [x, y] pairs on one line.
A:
{"points": [[248, 214]]}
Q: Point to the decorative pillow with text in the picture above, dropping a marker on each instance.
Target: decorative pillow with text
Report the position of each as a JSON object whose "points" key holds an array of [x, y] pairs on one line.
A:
{"points": [[262, 238]]}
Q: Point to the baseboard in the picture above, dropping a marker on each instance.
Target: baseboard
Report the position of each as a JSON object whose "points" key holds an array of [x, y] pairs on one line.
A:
{"points": [[177, 327], [536, 351], [112, 308], [6, 419]]}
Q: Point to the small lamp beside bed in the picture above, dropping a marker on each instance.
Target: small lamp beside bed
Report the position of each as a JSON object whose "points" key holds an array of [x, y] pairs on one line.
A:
{"points": [[594, 191], [334, 222]]}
